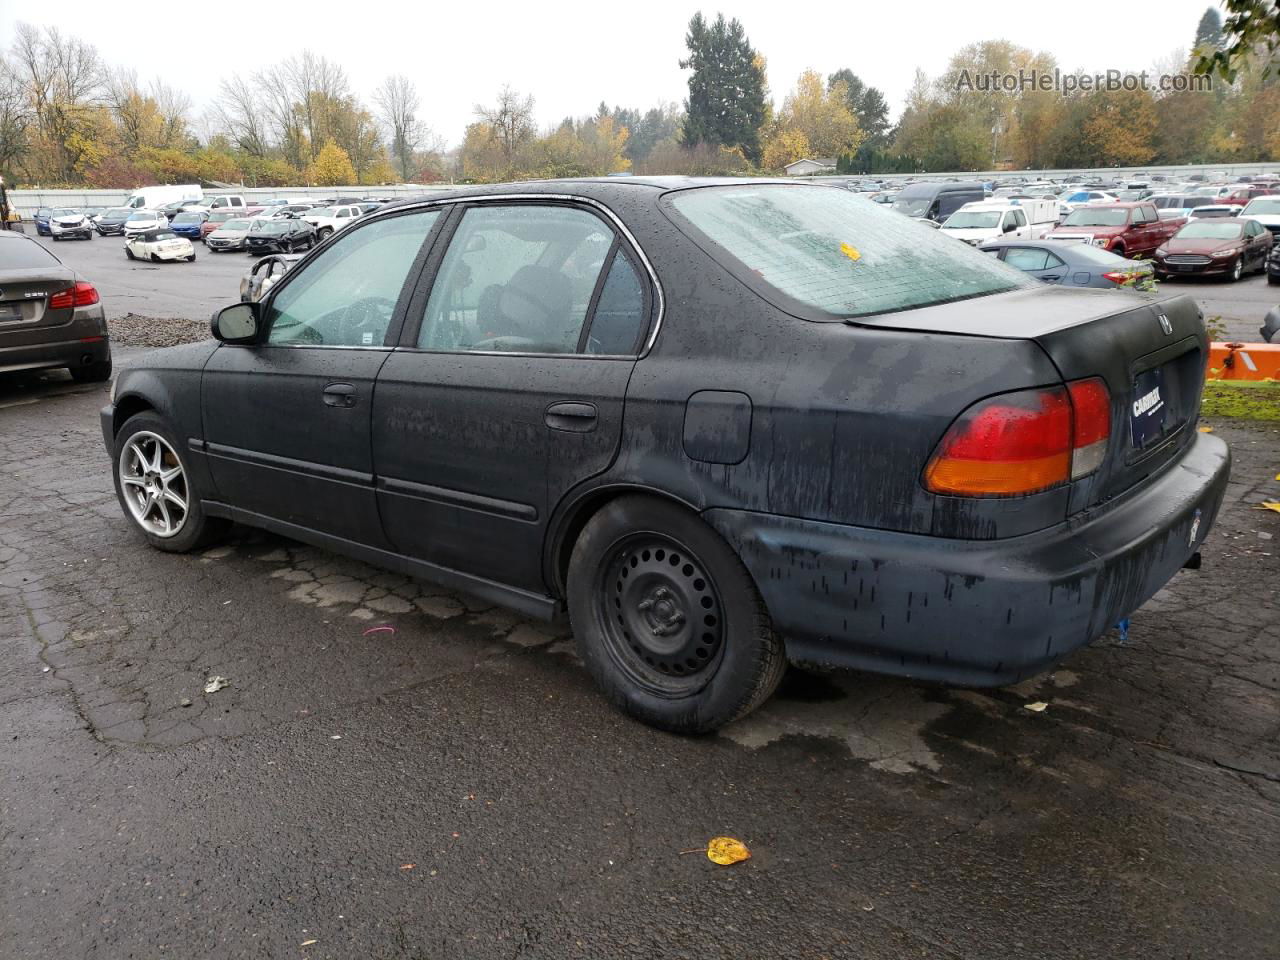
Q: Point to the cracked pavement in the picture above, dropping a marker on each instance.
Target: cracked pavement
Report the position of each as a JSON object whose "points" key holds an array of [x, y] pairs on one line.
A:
{"points": [[454, 787]]}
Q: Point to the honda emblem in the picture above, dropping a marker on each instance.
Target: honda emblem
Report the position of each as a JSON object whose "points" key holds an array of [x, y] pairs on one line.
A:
{"points": [[1165, 325]]}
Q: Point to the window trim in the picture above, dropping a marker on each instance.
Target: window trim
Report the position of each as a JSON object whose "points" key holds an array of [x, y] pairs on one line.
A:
{"points": [[394, 325], [623, 238]]}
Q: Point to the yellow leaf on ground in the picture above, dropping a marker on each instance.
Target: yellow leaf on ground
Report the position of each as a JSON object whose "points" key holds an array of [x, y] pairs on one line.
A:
{"points": [[1206, 429], [850, 251], [727, 850], [1271, 505], [1038, 707]]}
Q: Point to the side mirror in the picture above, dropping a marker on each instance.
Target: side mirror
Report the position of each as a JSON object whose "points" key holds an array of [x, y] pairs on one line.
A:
{"points": [[236, 324]]}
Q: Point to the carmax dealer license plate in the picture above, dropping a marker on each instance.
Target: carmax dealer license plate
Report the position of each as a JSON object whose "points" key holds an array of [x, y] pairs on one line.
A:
{"points": [[1149, 408]]}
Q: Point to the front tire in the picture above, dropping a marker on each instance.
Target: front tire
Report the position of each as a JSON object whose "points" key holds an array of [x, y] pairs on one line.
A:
{"points": [[667, 619], [1237, 269], [153, 485], [1273, 280], [129, 254]]}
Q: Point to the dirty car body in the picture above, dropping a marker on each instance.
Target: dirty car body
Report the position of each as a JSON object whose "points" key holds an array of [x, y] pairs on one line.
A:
{"points": [[839, 420]]}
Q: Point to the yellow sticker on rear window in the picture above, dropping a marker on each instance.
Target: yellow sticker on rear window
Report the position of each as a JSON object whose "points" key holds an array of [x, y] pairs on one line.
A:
{"points": [[850, 251]]}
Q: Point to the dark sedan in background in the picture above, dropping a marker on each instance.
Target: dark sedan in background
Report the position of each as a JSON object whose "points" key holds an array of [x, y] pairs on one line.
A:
{"points": [[1229, 247], [111, 221], [49, 316], [280, 236], [721, 424], [1069, 263]]}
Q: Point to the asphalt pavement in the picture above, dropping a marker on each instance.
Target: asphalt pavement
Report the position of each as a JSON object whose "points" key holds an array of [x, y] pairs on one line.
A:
{"points": [[453, 786], [194, 291]]}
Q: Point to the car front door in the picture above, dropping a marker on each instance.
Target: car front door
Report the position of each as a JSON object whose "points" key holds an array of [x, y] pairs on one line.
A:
{"points": [[508, 388], [287, 420]]}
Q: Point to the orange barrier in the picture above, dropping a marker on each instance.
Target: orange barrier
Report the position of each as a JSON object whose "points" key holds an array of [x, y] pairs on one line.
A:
{"points": [[1244, 361]]}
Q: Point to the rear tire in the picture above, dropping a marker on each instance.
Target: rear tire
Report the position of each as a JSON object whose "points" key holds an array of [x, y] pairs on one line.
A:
{"points": [[195, 528], [668, 620], [1273, 280], [93, 373], [192, 258]]}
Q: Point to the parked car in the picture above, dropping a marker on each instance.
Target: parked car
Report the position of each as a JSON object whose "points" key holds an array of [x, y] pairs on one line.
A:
{"points": [[1270, 329], [216, 220], [188, 224], [112, 220], [1216, 211], [41, 220], [1266, 211], [653, 404], [1068, 200], [1273, 265], [142, 221], [301, 204], [1171, 206], [1069, 264], [68, 224], [327, 220], [231, 202], [368, 206], [280, 236], [1230, 247], [230, 235], [1243, 195], [286, 211], [50, 316], [263, 275], [936, 201], [171, 210], [986, 220], [1129, 229], [158, 245], [153, 198]]}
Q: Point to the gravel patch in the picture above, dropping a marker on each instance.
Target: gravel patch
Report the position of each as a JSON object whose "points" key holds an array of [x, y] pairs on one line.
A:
{"points": [[134, 330]]}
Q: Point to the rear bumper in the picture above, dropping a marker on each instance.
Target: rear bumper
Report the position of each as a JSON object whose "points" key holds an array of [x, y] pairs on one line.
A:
{"points": [[979, 613], [86, 348]]}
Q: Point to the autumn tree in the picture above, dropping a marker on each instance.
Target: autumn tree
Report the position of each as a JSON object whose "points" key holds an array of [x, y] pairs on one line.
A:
{"points": [[726, 105], [1121, 127], [1209, 31], [508, 125], [822, 114], [63, 76], [331, 167], [786, 146], [15, 118], [397, 99]]}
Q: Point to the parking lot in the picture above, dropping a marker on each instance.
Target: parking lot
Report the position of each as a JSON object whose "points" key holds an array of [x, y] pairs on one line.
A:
{"points": [[454, 786]]}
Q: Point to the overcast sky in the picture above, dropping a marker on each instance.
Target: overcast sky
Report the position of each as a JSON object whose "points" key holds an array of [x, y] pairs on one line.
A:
{"points": [[571, 56]]}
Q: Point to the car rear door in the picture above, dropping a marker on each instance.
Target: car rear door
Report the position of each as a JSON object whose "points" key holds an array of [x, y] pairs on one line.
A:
{"points": [[287, 421], [508, 387]]}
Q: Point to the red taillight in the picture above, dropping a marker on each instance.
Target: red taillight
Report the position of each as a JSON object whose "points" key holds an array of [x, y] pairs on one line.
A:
{"points": [[1024, 442], [1116, 276], [81, 295]]}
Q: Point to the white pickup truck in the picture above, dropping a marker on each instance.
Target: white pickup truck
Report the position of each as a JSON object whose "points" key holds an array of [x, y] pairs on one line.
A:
{"points": [[329, 220], [226, 201], [1024, 219]]}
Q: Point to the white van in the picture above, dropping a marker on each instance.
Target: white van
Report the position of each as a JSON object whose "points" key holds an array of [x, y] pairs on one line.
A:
{"points": [[979, 222], [152, 198]]}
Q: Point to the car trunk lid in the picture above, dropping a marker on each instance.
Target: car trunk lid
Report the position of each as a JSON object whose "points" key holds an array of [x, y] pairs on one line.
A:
{"points": [[24, 300], [1150, 352]]}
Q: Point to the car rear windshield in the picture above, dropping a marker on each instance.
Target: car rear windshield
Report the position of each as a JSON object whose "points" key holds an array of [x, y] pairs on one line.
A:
{"points": [[1263, 205], [1210, 231], [21, 253], [1096, 217], [831, 250]]}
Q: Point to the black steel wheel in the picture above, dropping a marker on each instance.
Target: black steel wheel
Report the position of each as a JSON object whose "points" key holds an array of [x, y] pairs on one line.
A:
{"points": [[662, 615], [667, 619]]}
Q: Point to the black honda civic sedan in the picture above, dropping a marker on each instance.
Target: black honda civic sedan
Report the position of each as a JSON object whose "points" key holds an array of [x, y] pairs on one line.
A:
{"points": [[720, 424]]}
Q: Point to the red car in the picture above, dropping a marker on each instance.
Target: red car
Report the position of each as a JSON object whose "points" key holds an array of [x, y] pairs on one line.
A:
{"points": [[1230, 247], [1129, 229], [1242, 195]]}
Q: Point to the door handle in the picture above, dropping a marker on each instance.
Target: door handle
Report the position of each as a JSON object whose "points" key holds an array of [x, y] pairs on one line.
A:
{"points": [[340, 395], [1052, 278], [573, 416]]}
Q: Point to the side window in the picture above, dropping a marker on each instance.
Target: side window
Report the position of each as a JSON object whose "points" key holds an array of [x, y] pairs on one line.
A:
{"points": [[1026, 258], [516, 279], [346, 295], [1051, 261], [343, 212], [620, 315], [1019, 218]]}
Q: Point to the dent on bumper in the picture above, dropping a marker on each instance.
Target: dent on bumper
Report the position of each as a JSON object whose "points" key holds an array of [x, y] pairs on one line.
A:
{"points": [[976, 612]]}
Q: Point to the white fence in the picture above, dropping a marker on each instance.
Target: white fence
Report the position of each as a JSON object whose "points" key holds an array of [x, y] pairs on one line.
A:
{"points": [[27, 202]]}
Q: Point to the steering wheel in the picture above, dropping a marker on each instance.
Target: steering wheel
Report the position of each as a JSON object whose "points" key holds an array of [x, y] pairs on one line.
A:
{"points": [[366, 316]]}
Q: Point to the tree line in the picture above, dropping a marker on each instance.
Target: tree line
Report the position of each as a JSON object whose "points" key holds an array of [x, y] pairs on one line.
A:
{"points": [[67, 118]]}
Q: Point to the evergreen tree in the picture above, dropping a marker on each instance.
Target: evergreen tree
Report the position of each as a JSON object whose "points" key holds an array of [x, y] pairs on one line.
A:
{"points": [[868, 105], [1209, 31], [726, 90]]}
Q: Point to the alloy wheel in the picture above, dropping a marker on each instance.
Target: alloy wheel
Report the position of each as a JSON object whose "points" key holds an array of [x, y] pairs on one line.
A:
{"points": [[153, 484], [661, 614]]}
